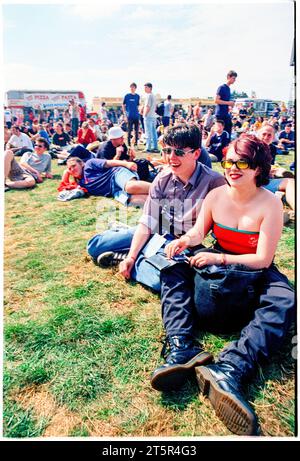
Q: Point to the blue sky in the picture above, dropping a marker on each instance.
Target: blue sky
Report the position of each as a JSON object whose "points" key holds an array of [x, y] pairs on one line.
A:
{"points": [[184, 50]]}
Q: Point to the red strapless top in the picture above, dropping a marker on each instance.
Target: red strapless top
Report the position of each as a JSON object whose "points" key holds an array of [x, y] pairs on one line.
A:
{"points": [[235, 240]]}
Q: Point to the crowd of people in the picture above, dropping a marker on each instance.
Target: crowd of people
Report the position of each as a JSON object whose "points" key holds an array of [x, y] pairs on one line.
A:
{"points": [[232, 285]]}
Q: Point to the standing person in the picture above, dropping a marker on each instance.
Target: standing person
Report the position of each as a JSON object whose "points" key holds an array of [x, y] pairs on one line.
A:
{"points": [[150, 117], [197, 112], [74, 112], [130, 107], [103, 112], [168, 111], [7, 117], [82, 115], [237, 287], [223, 102]]}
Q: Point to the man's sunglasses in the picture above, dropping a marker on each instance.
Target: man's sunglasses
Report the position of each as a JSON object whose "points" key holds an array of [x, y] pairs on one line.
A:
{"points": [[178, 152], [241, 164], [39, 145]]}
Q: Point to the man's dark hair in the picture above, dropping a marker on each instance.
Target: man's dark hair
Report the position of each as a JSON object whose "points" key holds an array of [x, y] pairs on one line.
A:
{"points": [[183, 135], [16, 127], [231, 73], [103, 104], [133, 84], [44, 141], [169, 96], [289, 125], [221, 121], [149, 85]]}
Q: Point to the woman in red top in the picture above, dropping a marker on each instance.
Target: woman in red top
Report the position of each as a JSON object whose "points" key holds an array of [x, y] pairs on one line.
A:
{"points": [[85, 135], [239, 285]]}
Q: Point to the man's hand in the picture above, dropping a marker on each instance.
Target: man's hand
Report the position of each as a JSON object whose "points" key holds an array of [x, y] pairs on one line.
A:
{"points": [[49, 175], [126, 267], [231, 103], [39, 177], [177, 246], [131, 166]]}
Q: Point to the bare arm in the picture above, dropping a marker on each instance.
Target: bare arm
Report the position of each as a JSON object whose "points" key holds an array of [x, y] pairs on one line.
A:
{"points": [[140, 237], [220, 101], [130, 165]]}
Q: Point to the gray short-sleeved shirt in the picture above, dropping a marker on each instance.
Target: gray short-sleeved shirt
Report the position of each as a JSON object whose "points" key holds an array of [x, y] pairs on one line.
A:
{"points": [[151, 102], [42, 163], [173, 207]]}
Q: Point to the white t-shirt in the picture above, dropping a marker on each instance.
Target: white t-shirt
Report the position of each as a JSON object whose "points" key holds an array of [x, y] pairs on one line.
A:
{"points": [[20, 141]]}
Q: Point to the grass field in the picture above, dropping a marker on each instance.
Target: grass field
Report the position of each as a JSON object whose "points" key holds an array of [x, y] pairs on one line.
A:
{"points": [[80, 342]]}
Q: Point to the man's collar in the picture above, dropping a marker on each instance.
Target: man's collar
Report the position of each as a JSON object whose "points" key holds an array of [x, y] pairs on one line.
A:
{"points": [[193, 179]]}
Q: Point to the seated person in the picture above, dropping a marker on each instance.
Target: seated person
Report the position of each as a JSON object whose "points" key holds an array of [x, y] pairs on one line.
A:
{"points": [[60, 138], [286, 138], [19, 142], [33, 166], [247, 223], [69, 188], [38, 163], [95, 129], [43, 133], [109, 178], [217, 140], [284, 184], [85, 135], [115, 147]]}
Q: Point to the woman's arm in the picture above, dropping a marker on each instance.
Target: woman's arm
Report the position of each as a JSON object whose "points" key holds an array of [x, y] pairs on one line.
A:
{"points": [[269, 235]]}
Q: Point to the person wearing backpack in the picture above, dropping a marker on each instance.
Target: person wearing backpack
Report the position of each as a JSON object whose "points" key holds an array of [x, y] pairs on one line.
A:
{"points": [[150, 119]]}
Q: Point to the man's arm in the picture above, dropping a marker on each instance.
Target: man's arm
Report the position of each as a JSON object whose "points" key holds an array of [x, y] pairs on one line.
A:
{"points": [[130, 165], [24, 164], [140, 237], [220, 101]]}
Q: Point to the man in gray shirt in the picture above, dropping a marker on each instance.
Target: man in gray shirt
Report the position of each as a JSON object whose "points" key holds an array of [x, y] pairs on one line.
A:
{"points": [[39, 161], [173, 204], [150, 118], [168, 111]]}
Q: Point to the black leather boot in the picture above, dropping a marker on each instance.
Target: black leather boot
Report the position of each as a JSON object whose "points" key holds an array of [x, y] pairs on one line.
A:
{"points": [[182, 357], [221, 383]]}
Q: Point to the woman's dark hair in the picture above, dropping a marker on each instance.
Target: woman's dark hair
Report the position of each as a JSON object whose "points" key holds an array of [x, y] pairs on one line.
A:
{"points": [[183, 135], [258, 152]]}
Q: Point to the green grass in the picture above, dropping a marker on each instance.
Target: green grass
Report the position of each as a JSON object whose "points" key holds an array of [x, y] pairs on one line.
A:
{"points": [[82, 343]]}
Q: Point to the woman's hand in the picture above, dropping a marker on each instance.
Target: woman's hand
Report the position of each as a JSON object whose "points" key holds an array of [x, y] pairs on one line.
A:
{"points": [[177, 246], [205, 259]]}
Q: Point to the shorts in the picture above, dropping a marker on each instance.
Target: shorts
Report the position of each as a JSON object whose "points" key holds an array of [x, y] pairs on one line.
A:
{"points": [[17, 173], [121, 178], [273, 185]]}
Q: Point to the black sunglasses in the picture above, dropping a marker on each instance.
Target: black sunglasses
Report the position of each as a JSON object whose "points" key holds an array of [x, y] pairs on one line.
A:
{"points": [[178, 152]]}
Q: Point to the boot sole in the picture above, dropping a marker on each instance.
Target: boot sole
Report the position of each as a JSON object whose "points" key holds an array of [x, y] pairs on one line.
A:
{"points": [[229, 409], [174, 376]]}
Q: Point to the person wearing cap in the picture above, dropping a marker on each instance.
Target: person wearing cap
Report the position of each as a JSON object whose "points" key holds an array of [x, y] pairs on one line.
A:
{"points": [[115, 148], [150, 118]]}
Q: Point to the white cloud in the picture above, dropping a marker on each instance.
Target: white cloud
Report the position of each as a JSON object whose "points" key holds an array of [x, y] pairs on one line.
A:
{"points": [[141, 13], [92, 12]]}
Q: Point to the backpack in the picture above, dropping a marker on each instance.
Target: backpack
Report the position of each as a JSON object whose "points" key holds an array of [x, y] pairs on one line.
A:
{"points": [[145, 170], [160, 109]]}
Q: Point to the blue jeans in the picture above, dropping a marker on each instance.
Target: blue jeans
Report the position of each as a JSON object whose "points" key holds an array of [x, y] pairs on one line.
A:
{"points": [[150, 132], [120, 240]]}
